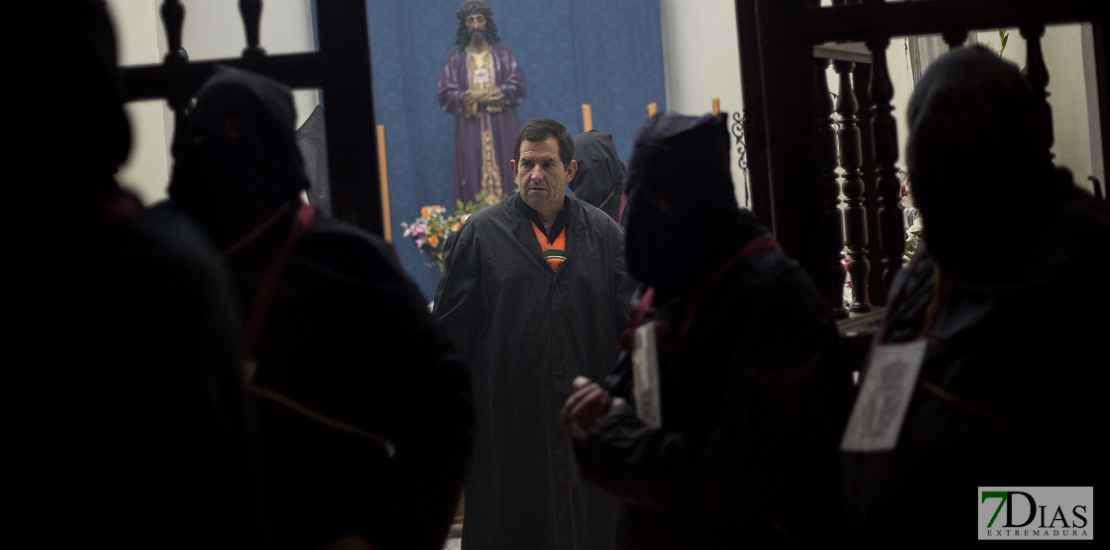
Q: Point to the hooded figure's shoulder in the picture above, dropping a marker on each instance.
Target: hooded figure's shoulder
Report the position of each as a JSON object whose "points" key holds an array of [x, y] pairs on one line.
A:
{"points": [[166, 236], [1070, 244], [345, 250]]}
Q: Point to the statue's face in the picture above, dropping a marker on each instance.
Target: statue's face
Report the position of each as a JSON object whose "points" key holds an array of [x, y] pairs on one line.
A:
{"points": [[476, 26], [476, 21]]}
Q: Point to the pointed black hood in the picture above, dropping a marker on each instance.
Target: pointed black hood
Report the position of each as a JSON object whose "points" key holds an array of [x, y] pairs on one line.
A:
{"points": [[600, 175]]}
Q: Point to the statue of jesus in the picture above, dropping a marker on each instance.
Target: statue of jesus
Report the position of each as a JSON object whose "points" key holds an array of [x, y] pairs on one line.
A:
{"points": [[481, 84]]}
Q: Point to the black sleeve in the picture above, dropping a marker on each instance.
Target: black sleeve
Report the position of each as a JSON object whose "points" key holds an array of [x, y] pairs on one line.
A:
{"points": [[169, 413], [458, 300], [384, 364], [776, 391], [434, 427], [623, 283]]}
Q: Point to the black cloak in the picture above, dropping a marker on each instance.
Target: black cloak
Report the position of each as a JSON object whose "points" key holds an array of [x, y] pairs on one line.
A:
{"points": [[364, 408], [130, 425], [528, 332], [753, 393], [600, 176], [1007, 392]]}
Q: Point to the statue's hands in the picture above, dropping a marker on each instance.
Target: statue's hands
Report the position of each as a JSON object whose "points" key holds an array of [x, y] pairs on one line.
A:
{"points": [[587, 404], [471, 97], [493, 96]]}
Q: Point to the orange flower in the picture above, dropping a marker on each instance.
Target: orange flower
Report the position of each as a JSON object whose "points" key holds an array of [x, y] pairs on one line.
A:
{"points": [[455, 226], [433, 240], [426, 212]]}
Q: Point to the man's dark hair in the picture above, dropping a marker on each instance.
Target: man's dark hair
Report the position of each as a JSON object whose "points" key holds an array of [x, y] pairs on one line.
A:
{"points": [[538, 130], [471, 7]]}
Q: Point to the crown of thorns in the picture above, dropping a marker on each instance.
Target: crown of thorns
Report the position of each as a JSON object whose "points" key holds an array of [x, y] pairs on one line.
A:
{"points": [[471, 7]]}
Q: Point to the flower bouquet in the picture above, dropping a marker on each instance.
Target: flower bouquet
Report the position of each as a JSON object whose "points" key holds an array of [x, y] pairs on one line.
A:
{"points": [[430, 231]]}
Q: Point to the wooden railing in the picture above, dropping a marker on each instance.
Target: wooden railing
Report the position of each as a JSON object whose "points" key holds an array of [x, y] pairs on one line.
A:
{"points": [[785, 52]]}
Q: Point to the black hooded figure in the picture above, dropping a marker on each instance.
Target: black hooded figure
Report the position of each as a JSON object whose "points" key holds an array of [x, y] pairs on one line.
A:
{"points": [[364, 408], [600, 176], [133, 431], [1014, 276], [752, 392]]}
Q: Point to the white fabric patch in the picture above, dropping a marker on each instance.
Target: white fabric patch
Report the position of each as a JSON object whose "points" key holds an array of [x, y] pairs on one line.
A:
{"points": [[881, 405], [645, 376]]}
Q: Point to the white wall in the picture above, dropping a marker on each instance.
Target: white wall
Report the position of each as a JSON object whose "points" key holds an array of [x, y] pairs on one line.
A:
{"points": [[1074, 111], [139, 39], [1073, 95], [212, 30], [701, 61]]}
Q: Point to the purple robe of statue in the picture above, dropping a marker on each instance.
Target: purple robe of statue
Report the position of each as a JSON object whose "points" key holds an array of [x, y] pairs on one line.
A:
{"points": [[453, 81]]}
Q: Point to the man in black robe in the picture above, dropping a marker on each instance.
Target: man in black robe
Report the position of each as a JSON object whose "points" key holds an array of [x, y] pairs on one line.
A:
{"points": [[1006, 394], [534, 293], [132, 429], [737, 448], [364, 408], [600, 177]]}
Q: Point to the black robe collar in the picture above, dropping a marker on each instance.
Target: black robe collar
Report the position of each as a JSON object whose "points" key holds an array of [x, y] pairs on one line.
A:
{"points": [[561, 218]]}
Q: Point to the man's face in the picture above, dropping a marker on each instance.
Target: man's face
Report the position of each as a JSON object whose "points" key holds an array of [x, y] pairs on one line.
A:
{"points": [[541, 175], [476, 26]]}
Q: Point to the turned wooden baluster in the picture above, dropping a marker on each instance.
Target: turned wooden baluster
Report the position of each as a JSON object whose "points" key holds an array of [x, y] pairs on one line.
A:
{"points": [[1036, 73], [892, 236], [955, 39], [173, 19], [251, 12], [851, 157], [832, 223]]}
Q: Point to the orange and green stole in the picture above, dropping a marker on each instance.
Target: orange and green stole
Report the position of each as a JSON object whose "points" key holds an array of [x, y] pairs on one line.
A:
{"points": [[554, 253]]}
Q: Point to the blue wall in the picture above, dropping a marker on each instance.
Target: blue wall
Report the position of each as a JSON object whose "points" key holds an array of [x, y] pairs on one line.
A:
{"points": [[607, 53]]}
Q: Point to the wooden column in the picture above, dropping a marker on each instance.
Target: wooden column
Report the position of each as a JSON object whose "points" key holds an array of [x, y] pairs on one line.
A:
{"points": [[349, 117], [892, 237], [831, 232], [855, 214], [652, 108], [786, 59], [1036, 73], [587, 118]]}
